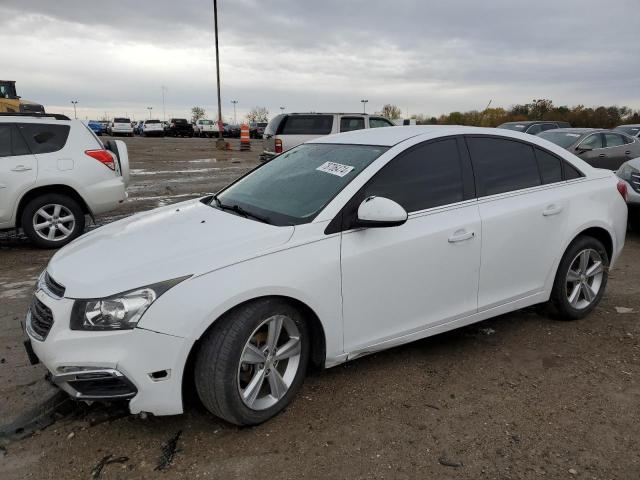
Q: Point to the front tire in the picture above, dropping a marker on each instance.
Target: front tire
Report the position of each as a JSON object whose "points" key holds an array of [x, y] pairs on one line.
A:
{"points": [[581, 279], [252, 362], [52, 220]]}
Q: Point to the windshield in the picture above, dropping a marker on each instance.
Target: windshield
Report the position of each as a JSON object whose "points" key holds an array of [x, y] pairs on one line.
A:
{"points": [[519, 127], [294, 187], [563, 139]]}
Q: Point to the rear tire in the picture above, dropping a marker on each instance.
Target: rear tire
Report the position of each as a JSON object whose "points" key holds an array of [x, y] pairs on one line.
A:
{"points": [[52, 220], [580, 280], [634, 219], [241, 374]]}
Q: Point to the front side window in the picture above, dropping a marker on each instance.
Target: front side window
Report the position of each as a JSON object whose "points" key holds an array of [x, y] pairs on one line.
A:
{"points": [[592, 141], [376, 122], [44, 138], [295, 186], [502, 165], [613, 140], [347, 124], [426, 176]]}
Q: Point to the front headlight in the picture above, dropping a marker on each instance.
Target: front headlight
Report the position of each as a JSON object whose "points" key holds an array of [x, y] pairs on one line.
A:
{"points": [[118, 312], [625, 171]]}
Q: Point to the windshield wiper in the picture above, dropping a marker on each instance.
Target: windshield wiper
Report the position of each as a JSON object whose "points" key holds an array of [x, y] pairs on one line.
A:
{"points": [[240, 211]]}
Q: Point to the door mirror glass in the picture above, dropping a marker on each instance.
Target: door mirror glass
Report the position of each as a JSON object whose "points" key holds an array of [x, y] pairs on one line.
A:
{"points": [[380, 212], [584, 148]]}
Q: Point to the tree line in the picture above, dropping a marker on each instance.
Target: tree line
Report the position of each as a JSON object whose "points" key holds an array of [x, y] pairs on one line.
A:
{"points": [[540, 109]]}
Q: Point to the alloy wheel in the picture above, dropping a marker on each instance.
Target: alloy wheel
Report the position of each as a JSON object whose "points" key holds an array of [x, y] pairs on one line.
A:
{"points": [[54, 222], [584, 278], [269, 362]]}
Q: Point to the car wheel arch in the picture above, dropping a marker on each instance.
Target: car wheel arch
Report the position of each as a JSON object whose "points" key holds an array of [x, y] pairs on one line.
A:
{"points": [[318, 339], [61, 189]]}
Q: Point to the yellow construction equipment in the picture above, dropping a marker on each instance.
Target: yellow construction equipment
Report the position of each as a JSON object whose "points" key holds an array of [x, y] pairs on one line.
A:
{"points": [[10, 102]]}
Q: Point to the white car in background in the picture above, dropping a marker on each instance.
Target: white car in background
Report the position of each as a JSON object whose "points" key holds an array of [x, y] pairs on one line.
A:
{"points": [[120, 126], [288, 130], [629, 172], [338, 248], [53, 172], [152, 128], [205, 128]]}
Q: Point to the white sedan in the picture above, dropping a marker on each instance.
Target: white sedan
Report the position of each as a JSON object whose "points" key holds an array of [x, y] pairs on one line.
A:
{"points": [[340, 247]]}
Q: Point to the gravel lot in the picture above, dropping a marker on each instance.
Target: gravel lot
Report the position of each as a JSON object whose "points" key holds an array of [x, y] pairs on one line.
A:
{"points": [[517, 397]]}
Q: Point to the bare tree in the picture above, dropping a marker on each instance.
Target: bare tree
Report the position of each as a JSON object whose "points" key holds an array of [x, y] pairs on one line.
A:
{"points": [[258, 114], [197, 113], [391, 111]]}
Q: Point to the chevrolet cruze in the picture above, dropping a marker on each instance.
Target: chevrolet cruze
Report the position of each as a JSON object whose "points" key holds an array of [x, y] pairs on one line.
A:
{"points": [[337, 248]]}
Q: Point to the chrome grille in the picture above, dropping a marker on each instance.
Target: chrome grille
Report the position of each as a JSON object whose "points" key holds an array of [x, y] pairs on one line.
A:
{"points": [[635, 181], [53, 286], [40, 319]]}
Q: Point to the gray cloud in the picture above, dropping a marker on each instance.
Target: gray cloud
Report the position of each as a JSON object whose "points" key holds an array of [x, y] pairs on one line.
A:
{"points": [[427, 57]]}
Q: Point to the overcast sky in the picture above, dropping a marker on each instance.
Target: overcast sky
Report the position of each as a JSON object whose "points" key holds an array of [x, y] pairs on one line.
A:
{"points": [[427, 57]]}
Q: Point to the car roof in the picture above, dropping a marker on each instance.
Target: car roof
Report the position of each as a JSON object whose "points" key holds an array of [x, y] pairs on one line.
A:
{"points": [[360, 114], [629, 125], [578, 130]]}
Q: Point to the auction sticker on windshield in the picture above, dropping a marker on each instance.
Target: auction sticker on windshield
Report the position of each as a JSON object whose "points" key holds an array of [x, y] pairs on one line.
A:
{"points": [[335, 168]]}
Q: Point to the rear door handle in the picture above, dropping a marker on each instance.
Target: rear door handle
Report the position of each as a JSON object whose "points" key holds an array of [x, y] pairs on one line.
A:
{"points": [[628, 152], [20, 168], [461, 236], [552, 210]]}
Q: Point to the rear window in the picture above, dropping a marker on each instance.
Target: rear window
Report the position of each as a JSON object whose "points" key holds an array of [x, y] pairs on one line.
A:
{"points": [[44, 138], [306, 125], [262, 124], [206, 122], [121, 120], [518, 127], [152, 121], [179, 120]]}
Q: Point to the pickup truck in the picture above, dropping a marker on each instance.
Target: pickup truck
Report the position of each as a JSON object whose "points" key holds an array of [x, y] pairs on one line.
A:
{"points": [[179, 127], [205, 128]]}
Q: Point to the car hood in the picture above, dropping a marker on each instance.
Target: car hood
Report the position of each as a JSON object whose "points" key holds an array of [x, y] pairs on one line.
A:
{"points": [[188, 238]]}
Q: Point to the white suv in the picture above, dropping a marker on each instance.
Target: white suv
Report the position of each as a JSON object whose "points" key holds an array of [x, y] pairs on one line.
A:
{"points": [[53, 172], [288, 130], [120, 126], [205, 128]]}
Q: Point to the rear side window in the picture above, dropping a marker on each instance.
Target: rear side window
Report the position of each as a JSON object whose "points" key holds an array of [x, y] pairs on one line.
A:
{"points": [[550, 167], [306, 125], [535, 129], [613, 140], [5, 141], [11, 142], [348, 124], [376, 122], [44, 138], [502, 165], [427, 176], [571, 172]]}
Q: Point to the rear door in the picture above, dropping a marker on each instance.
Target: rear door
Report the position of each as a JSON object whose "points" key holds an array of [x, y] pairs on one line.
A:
{"points": [[523, 217], [297, 129], [18, 169]]}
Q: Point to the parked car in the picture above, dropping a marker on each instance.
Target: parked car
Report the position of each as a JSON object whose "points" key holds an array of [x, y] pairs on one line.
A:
{"points": [[121, 126], [338, 248], [205, 128], [137, 129], [287, 130], [96, 127], [633, 130], [231, 130], [105, 125], [535, 126], [152, 128], [256, 129], [55, 172], [599, 148], [179, 127], [630, 173]]}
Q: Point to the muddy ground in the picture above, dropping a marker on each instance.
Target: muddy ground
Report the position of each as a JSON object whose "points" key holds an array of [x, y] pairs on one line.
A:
{"points": [[517, 397]]}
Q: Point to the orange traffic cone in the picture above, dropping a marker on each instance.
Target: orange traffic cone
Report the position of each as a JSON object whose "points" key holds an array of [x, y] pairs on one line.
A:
{"points": [[245, 141]]}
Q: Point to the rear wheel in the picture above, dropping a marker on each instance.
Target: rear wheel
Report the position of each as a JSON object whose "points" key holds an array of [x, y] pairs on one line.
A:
{"points": [[581, 279], [634, 219], [252, 362], [52, 220]]}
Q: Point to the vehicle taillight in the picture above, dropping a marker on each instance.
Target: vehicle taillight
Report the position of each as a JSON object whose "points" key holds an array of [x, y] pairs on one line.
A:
{"points": [[622, 188], [103, 156], [278, 145]]}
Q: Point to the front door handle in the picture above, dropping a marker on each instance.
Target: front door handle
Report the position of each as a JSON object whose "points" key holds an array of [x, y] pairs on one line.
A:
{"points": [[461, 236], [20, 168], [552, 210], [628, 152], [602, 155]]}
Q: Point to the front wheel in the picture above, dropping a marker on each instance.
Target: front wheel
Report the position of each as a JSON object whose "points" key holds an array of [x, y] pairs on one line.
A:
{"points": [[52, 220], [581, 279], [253, 361]]}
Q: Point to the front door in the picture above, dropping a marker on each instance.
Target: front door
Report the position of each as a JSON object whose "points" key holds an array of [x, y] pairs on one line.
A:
{"points": [[18, 170], [398, 281]]}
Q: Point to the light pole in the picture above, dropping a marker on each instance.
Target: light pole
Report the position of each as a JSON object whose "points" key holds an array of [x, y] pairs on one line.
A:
{"points": [[75, 102], [235, 102], [220, 142], [282, 109], [149, 108], [364, 105], [164, 89]]}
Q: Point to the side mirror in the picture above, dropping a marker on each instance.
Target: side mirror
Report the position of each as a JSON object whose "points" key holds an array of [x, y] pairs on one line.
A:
{"points": [[584, 148], [380, 212]]}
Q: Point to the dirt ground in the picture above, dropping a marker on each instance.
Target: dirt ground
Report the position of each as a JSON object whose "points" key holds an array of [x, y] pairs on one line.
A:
{"points": [[517, 397]]}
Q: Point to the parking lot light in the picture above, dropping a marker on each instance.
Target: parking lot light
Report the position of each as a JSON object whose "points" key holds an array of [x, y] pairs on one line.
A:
{"points": [[75, 102], [149, 108], [364, 105], [235, 102]]}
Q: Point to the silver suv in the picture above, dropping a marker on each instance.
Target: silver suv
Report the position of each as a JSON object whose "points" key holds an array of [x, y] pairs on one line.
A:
{"points": [[288, 130]]}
